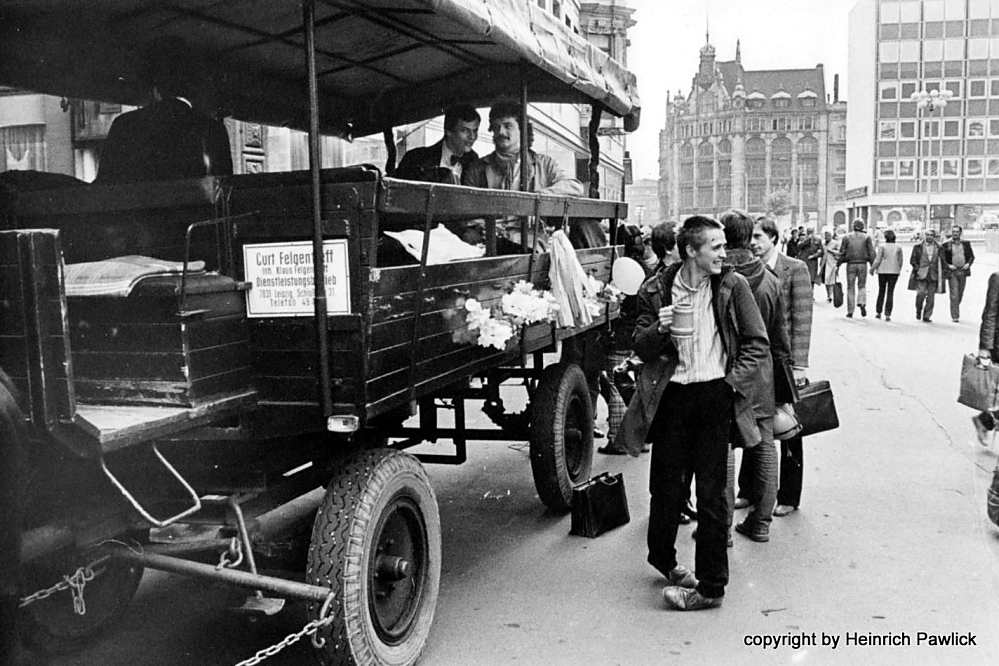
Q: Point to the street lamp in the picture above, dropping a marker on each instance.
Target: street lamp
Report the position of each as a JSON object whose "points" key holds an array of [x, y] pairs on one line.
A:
{"points": [[928, 102]]}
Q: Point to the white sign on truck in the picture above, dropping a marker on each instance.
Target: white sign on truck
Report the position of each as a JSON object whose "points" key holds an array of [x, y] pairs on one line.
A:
{"points": [[281, 277]]}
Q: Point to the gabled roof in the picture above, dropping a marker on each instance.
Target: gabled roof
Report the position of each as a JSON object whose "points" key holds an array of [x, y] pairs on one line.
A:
{"points": [[772, 82]]}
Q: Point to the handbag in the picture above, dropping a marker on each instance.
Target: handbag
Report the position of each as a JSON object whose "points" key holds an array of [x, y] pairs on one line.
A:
{"points": [[838, 294], [816, 410], [599, 505], [979, 384]]}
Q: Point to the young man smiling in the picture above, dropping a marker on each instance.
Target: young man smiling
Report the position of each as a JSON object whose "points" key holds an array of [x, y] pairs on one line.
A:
{"points": [[695, 388]]}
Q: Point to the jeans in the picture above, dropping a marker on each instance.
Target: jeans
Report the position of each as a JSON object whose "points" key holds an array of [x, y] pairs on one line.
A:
{"points": [[926, 293], [762, 464], [690, 436], [955, 285], [856, 286], [886, 292]]}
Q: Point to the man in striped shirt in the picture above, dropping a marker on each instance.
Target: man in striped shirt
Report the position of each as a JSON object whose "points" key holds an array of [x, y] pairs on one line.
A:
{"points": [[697, 390]]}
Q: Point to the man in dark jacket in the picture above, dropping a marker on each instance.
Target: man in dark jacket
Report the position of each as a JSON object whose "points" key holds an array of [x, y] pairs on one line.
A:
{"points": [[167, 139], [446, 160], [927, 277], [856, 250], [758, 478], [988, 352], [957, 259], [698, 385]]}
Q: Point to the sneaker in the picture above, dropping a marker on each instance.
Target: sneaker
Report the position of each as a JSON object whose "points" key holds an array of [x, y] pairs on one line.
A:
{"points": [[758, 533], [863, 310], [682, 598], [681, 576], [980, 430]]}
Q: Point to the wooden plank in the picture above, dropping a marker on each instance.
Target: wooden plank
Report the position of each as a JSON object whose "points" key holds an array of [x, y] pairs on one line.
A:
{"points": [[180, 365], [143, 307], [142, 337], [455, 202], [158, 392], [105, 199]]}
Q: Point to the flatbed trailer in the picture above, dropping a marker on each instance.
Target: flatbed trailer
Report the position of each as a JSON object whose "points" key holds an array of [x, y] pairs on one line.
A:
{"points": [[199, 423]]}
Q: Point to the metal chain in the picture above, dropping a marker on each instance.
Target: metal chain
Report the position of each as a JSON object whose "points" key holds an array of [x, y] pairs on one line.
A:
{"points": [[325, 618], [231, 558], [74, 582]]}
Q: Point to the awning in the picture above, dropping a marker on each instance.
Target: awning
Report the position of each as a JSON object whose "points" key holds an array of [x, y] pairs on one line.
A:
{"points": [[381, 63]]}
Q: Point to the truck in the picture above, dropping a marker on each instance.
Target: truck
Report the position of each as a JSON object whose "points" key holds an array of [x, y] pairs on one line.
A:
{"points": [[197, 423]]}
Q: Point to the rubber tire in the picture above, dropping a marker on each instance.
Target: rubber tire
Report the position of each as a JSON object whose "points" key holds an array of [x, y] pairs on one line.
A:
{"points": [[369, 488], [52, 625], [561, 434]]}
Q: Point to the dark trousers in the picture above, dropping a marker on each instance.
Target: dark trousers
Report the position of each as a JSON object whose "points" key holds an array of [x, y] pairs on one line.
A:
{"points": [[690, 436], [10, 525], [886, 293], [926, 294], [792, 460], [955, 285]]}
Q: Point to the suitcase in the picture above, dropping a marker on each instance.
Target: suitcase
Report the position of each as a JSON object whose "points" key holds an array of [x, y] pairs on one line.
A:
{"points": [[816, 409]]}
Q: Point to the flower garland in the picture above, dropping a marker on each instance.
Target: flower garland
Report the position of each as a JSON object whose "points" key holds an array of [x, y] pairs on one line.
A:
{"points": [[524, 305], [494, 327]]}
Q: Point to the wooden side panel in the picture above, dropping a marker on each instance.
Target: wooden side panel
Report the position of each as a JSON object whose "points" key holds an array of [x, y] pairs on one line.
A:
{"points": [[34, 340]]}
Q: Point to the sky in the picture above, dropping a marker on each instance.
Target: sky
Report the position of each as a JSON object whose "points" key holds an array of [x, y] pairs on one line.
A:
{"points": [[775, 34]]}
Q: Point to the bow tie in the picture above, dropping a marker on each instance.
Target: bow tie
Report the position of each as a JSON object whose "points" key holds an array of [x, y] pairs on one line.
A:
{"points": [[455, 159]]}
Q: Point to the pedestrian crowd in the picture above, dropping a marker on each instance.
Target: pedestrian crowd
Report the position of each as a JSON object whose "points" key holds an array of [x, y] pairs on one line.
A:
{"points": [[721, 380]]}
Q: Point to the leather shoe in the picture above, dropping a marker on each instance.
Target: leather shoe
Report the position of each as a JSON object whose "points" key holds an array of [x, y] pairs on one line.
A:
{"points": [[741, 502], [598, 434], [684, 519], [611, 450], [758, 533], [863, 310], [681, 576], [784, 510], [683, 598]]}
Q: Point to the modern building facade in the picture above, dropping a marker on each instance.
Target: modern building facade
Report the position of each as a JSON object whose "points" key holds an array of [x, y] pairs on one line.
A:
{"points": [[904, 159], [64, 135], [743, 138]]}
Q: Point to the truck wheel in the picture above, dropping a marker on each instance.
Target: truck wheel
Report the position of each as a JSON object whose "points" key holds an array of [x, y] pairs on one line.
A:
{"points": [[52, 624], [561, 434], [376, 544]]}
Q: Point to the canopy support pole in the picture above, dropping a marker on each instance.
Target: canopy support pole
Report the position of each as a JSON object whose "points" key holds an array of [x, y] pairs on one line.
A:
{"points": [[525, 147], [388, 134], [596, 111], [315, 163]]}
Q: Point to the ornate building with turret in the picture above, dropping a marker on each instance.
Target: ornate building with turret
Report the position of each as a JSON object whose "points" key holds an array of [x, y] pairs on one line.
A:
{"points": [[750, 139]]}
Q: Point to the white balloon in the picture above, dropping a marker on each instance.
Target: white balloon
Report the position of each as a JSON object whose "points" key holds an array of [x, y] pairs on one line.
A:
{"points": [[627, 275]]}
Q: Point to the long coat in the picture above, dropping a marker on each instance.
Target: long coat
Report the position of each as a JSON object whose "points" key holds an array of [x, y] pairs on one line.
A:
{"points": [[744, 337], [916, 257]]}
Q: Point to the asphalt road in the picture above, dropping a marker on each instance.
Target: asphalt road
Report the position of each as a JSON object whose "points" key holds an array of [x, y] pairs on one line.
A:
{"points": [[892, 539]]}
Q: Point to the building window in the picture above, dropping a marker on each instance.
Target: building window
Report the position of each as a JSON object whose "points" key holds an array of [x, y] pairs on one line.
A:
{"points": [[907, 129], [807, 102], [686, 197], [780, 124], [908, 87], [887, 130], [994, 88], [976, 88], [705, 197], [906, 168], [756, 169], [886, 169], [756, 146], [975, 127], [973, 168], [782, 103], [705, 171], [541, 3], [992, 168], [994, 127], [686, 151], [951, 167], [954, 87], [724, 170], [556, 8], [754, 104], [724, 147], [22, 148], [929, 168], [888, 90], [931, 129], [808, 146]]}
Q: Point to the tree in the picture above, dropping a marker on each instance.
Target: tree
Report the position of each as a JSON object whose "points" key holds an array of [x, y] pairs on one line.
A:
{"points": [[777, 204]]}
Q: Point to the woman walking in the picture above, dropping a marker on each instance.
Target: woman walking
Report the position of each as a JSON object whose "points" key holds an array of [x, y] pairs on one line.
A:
{"points": [[887, 264], [830, 258]]}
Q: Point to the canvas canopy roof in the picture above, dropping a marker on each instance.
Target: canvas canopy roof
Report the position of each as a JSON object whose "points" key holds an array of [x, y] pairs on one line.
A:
{"points": [[380, 63]]}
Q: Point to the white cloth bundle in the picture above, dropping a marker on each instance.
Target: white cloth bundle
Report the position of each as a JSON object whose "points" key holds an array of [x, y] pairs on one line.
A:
{"points": [[445, 246], [570, 284], [118, 276]]}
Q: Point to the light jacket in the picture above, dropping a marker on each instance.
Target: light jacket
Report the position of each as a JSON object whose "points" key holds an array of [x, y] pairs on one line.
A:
{"points": [[749, 370], [889, 260], [796, 295]]}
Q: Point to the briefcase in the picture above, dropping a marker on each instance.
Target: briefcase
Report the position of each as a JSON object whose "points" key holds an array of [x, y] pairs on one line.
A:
{"points": [[599, 505], [816, 409]]}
